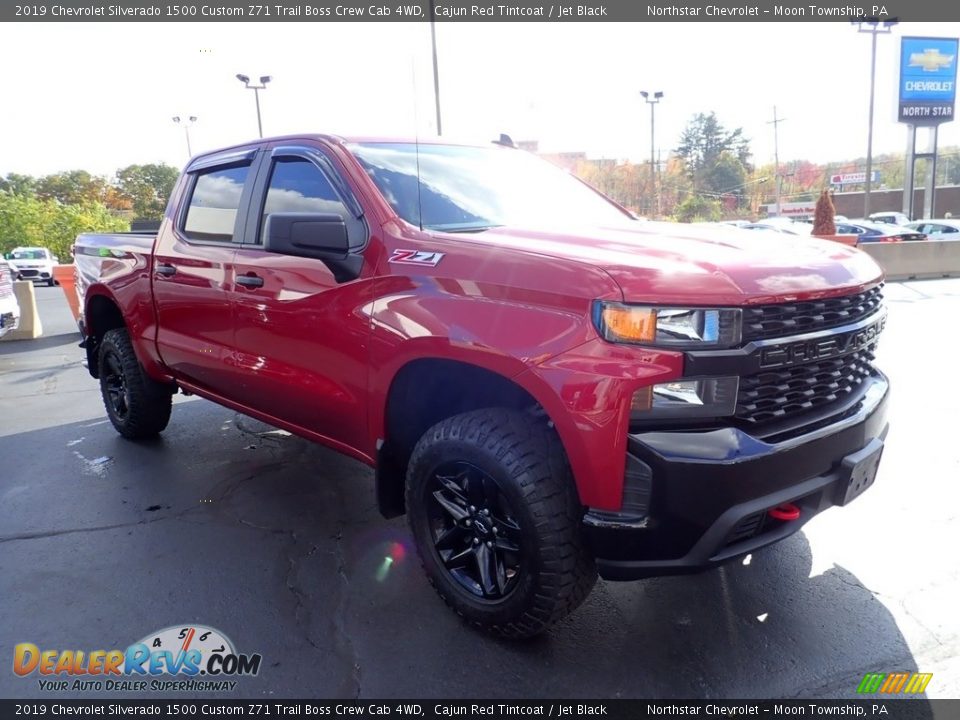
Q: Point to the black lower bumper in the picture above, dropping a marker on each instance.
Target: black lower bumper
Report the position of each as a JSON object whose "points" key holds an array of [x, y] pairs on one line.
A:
{"points": [[712, 491]]}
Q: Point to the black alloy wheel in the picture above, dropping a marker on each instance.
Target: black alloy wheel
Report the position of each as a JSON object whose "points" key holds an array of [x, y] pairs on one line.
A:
{"points": [[475, 533], [116, 395]]}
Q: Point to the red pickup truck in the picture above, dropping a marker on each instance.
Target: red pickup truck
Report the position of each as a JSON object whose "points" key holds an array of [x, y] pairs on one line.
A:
{"points": [[548, 387]]}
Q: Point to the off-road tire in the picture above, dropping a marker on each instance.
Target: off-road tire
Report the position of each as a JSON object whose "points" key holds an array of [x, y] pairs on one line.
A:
{"points": [[527, 462], [146, 403]]}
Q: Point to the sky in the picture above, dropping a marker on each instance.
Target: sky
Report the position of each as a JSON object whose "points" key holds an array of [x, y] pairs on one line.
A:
{"points": [[100, 96]]}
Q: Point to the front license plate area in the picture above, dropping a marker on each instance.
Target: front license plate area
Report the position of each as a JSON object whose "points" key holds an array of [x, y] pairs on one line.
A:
{"points": [[859, 470]]}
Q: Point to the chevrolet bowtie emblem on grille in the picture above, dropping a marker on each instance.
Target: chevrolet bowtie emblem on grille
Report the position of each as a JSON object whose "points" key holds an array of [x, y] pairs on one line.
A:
{"points": [[931, 60]]}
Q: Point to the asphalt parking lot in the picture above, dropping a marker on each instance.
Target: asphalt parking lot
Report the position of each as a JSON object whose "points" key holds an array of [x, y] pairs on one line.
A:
{"points": [[277, 543]]}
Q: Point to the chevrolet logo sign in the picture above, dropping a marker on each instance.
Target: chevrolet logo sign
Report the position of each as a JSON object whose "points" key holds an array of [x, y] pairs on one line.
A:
{"points": [[820, 348], [931, 60]]}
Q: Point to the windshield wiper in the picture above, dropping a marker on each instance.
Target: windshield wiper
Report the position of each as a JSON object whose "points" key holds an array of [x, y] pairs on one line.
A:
{"points": [[461, 228]]}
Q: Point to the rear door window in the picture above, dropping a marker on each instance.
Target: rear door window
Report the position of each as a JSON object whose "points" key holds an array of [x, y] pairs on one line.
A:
{"points": [[214, 202]]}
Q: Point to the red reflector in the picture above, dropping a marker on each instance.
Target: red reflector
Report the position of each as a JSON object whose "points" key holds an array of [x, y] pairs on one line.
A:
{"points": [[786, 511]]}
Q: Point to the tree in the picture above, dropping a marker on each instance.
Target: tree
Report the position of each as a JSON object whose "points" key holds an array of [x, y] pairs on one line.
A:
{"points": [[714, 158], [16, 184], [705, 140], [697, 207], [72, 187], [28, 220], [726, 175], [147, 187], [823, 216]]}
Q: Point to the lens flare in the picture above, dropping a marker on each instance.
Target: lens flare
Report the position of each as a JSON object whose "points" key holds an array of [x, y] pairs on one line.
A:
{"points": [[396, 552]]}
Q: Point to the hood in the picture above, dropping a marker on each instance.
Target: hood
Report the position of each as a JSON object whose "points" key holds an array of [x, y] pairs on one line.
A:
{"points": [[703, 264]]}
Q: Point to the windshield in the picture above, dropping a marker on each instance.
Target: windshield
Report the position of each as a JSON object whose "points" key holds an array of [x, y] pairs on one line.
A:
{"points": [[27, 255], [467, 189]]}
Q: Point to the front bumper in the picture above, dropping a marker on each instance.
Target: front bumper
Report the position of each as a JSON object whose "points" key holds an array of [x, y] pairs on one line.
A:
{"points": [[712, 490], [34, 274]]}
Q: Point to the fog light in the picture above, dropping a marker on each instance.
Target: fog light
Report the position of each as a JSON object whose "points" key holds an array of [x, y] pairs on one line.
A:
{"points": [[701, 398]]}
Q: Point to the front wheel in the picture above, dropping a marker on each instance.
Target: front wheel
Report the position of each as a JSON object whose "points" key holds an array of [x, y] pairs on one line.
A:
{"points": [[138, 406], [496, 519]]}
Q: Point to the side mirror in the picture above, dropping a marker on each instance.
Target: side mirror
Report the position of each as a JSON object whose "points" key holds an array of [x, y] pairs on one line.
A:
{"points": [[322, 236]]}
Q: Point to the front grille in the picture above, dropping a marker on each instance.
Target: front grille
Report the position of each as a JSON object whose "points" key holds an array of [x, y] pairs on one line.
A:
{"points": [[789, 392], [29, 273], [773, 321]]}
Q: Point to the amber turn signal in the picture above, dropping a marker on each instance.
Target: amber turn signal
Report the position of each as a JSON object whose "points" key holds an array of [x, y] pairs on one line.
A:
{"points": [[629, 324]]}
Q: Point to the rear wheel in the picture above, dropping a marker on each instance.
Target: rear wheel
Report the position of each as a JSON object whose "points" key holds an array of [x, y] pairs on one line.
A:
{"points": [[138, 406], [496, 519]]}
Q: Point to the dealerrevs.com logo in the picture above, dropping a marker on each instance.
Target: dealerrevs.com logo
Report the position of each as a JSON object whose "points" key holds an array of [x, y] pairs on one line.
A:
{"points": [[178, 658]]}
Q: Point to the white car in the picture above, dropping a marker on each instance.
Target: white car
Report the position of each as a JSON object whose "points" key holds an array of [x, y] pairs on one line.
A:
{"points": [[33, 263], [945, 229], [889, 218], [9, 308]]}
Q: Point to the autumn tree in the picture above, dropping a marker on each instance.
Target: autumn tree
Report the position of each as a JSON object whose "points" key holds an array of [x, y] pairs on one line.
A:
{"points": [[147, 188], [74, 187], [823, 217]]}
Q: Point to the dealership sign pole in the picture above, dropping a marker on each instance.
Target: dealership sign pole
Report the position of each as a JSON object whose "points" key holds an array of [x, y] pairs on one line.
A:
{"points": [[927, 95]]}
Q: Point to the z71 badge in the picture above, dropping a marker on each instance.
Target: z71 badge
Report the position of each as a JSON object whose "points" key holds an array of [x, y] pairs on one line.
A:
{"points": [[416, 257]]}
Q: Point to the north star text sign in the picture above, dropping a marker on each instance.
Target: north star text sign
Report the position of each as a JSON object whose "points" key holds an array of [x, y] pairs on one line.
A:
{"points": [[928, 80]]}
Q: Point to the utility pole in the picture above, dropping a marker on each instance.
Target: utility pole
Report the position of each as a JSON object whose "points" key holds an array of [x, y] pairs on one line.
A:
{"points": [[776, 156], [655, 204]]}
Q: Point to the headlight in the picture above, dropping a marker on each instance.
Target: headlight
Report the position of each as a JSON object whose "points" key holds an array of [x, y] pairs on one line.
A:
{"points": [[702, 398], [668, 327]]}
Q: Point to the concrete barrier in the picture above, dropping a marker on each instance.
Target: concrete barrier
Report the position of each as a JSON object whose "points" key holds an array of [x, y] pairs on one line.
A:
{"points": [[30, 326], [916, 260]]}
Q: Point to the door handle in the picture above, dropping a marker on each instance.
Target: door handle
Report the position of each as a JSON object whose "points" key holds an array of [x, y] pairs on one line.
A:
{"points": [[165, 269], [250, 281]]}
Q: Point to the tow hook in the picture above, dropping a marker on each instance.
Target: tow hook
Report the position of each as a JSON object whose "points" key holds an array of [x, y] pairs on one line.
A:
{"points": [[785, 512]]}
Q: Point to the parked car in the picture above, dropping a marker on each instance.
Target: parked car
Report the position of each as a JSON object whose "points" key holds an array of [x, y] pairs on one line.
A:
{"points": [[942, 229], [33, 263], [890, 218], [9, 307], [793, 228], [547, 387], [867, 231]]}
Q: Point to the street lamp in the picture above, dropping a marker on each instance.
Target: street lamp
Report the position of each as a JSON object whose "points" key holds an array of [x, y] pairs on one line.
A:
{"points": [[187, 124], [653, 165], [264, 79], [436, 67], [874, 27]]}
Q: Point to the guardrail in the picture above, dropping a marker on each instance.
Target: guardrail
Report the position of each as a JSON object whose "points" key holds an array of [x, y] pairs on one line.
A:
{"points": [[916, 260]]}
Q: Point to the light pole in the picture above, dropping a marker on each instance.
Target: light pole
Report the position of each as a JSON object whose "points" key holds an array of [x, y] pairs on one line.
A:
{"points": [[874, 27], [187, 124], [264, 79], [653, 162], [436, 67]]}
